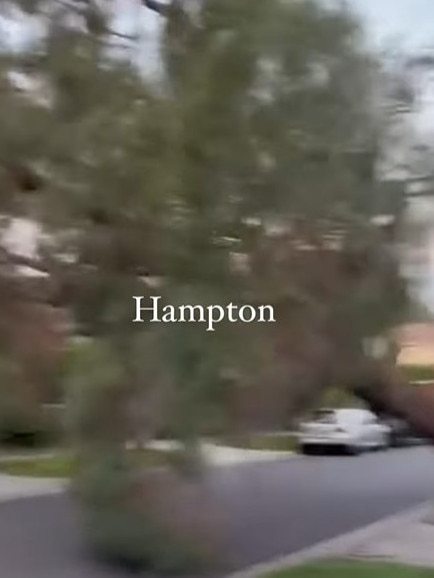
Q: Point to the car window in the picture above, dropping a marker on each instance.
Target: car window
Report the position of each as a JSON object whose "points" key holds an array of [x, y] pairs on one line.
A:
{"points": [[324, 416]]}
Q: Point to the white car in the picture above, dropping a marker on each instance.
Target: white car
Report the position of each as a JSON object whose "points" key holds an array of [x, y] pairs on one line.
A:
{"points": [[354, 430]]}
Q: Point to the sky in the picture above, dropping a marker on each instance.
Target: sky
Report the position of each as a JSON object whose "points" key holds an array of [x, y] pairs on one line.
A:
{"points": [[403, 26], [407, 26], [407, 22], [404, 23], [390, 24]]}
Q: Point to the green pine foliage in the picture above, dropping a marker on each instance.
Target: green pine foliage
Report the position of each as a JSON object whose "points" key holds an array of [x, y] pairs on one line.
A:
{"points": [[263, 117]]}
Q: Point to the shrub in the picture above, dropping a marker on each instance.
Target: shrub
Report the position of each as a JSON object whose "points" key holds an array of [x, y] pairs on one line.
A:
{"points": [[187, 537], [27, 428], [113, 531], [23, 422], [157, 521], [339, 397], [154, 522]]}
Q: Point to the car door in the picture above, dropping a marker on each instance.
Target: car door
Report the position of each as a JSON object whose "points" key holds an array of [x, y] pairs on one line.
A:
{"points": [[376, 430], [356, 425], [366, 429], [366, 432]]}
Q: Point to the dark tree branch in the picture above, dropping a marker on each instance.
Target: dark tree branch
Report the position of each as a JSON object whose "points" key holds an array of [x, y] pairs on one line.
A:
{"points": [[12, 259], [389, 396], [25, 178], [121, 35]]}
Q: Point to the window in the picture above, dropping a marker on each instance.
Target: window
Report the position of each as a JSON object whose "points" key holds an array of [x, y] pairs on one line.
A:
{"points": [[324, 416]]}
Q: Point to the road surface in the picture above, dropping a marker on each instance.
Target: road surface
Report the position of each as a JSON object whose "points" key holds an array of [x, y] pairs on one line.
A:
{"points": [[269, 509]]}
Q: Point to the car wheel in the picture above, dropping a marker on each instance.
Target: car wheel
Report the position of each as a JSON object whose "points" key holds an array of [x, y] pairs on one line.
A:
{"points": [[387, 442], [354, 450], [308, 450]]}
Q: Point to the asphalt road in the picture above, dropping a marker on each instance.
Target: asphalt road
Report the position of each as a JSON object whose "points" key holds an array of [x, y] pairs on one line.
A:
{"points": [[268, 509]]}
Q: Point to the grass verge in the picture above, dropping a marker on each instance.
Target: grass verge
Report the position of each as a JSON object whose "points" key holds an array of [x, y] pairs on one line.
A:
{"points": [[279, 442], [354, 570], [66, 465]]}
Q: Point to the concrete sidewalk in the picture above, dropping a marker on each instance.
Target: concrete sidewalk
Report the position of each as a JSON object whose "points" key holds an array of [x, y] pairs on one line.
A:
{"points": [[14, 487], [409, 541], [405, 538], [219, 455]]}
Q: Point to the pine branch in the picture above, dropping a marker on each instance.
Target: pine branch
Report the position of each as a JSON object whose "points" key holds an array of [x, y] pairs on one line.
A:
{"points": [[12, 259], [121, 35]]}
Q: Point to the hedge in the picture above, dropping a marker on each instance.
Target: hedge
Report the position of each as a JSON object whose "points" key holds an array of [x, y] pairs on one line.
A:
{"points": [[418, 372]]}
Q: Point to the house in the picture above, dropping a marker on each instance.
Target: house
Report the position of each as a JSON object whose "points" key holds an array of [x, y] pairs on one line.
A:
{"points": [[416, 344]]}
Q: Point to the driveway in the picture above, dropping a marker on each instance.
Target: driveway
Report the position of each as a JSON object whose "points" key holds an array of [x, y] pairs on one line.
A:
{"points": [[269, 509]]}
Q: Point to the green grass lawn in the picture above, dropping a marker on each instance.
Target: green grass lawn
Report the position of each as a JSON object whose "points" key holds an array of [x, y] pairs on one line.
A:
{"points": [[274, 442], [354, 570], [65, 465]]}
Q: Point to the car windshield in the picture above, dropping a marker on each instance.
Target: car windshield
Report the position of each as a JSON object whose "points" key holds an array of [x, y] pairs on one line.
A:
{"points": [[325, 416]]}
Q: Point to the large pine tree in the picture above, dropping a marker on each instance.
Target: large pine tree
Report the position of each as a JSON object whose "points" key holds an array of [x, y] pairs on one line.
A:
{"points": [[257, 141]]}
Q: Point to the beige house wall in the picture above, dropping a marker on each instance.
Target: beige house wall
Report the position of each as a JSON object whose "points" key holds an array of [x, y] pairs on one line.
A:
{"points": [[416, 344]]}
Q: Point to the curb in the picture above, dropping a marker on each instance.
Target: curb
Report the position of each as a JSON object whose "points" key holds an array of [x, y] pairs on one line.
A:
{"points": [[15, 487], [247, 452], [32, 493], [212, 454], [336, 547], [5, 458]]}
